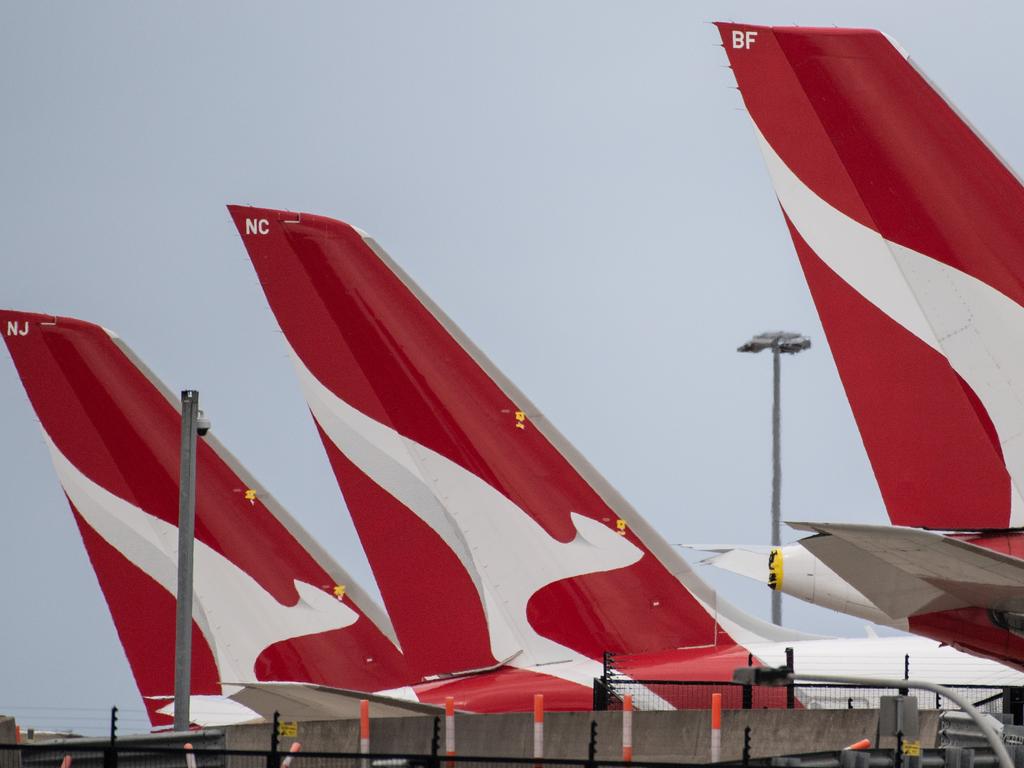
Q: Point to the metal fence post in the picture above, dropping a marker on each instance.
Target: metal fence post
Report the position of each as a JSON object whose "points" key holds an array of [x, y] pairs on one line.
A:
{"points": [[110, 753], [600, 695], [435, 742], [748, 690], [906, 673], [272, 761], [1013, 703], [790, 690]]}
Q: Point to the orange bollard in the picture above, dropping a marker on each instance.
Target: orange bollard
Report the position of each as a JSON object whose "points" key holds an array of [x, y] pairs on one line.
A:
{"points": [[295, 747], [627, 727], [538, 725], [17, 734], [862, 744], [449, 727], [716, 727], [66, 762], [364, 726], [190, 759]]}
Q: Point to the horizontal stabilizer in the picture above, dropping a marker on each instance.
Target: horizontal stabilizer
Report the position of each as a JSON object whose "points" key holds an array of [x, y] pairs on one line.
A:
{"points": [[745, 562], [212, 711], [907, 572], [304, 701], [762, 549]]}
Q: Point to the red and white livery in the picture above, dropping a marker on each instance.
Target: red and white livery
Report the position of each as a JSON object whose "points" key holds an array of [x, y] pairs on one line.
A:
{"points": [[910, 230]]}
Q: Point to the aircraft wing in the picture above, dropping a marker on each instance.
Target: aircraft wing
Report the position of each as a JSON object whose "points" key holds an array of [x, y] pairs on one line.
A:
{"points": [[907, 572], [305, 701], [745, 561]]}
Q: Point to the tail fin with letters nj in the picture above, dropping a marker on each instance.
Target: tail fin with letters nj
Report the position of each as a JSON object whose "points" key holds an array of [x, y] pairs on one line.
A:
{"points": [[269, 603]]}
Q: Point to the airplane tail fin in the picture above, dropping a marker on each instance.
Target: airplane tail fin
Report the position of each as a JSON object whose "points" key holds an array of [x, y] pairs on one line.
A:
{"points": [[269, 603], [909, 229], [475, 513]]}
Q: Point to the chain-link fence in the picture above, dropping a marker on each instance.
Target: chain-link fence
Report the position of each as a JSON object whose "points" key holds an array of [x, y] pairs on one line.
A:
{"points": [[650, 695], [611, 689]]}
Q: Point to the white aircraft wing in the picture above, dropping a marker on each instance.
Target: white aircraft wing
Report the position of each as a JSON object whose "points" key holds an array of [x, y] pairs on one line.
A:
{"points": [[305, 701], [906, 571]]}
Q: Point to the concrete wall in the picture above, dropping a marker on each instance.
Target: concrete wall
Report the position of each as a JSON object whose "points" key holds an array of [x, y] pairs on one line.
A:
{"points": [[671, 736], [7, 736], [6, 729]]}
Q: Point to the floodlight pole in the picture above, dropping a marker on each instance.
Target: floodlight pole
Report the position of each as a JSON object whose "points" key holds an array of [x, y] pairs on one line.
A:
{"points": [[776, 469], [186, 540], [778, 342]]}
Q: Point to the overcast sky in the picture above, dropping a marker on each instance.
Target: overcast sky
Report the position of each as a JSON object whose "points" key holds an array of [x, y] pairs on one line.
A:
{"points": [[575, 183]]}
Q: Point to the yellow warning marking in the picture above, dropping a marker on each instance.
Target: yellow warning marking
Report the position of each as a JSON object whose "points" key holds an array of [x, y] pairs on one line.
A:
{"points": [[250, 495], [620, 527], [520, 420], [289, 730], [775, 569], [339, 591]]}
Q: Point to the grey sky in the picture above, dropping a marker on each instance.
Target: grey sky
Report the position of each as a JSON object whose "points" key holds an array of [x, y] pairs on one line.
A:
{"points": [[574, 182]]}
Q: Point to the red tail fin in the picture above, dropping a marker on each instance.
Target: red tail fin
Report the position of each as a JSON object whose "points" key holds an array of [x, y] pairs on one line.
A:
{"points": [[269, 604], [909, 230], [475, 513]]}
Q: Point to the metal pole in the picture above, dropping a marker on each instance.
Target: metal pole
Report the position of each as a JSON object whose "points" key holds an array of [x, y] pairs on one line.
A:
{"points": [[776, 470], [186, 539], [952, 694]]}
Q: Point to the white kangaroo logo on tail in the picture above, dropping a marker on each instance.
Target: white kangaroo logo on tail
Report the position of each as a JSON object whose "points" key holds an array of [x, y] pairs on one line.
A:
{"points": [[976, 327], [236, 615], [492, 537]]}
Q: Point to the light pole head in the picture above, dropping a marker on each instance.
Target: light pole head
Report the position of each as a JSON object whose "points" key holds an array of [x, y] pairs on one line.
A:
{"points": [[785, 341]]}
